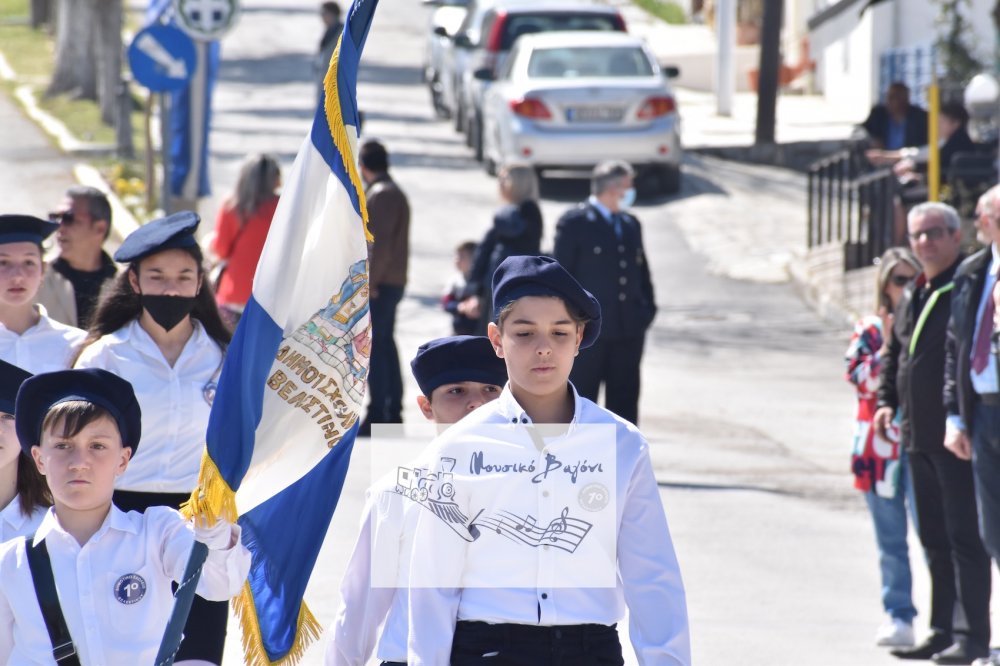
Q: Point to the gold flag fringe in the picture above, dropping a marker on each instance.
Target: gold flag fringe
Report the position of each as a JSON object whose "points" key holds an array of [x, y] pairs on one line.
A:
{"points": [[335, 119], [307, 631], [213, 498]]}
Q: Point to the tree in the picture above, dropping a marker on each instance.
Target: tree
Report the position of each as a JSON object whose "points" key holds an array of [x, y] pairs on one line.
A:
{"points": [[770, 64], [954, 45], [89, 53]]}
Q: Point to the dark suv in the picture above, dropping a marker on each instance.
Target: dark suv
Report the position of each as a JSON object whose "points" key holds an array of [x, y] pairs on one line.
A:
{"points": [[490, 29]]}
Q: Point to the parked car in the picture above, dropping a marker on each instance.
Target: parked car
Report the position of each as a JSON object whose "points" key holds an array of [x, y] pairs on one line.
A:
{"points": [[444, 23], [485, 38], [568, 100]]}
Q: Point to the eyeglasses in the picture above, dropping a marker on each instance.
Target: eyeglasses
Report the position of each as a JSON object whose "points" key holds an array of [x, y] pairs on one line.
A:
{"points": [[62, 217], [901, 280], [932, 234]]}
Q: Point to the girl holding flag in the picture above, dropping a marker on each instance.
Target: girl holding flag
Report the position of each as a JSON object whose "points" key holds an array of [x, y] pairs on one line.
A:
{"points": [[160, 329], [23, 493]]}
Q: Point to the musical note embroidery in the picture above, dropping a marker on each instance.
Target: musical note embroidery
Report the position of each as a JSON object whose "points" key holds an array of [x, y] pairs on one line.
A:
{"points": [[565, 532]]}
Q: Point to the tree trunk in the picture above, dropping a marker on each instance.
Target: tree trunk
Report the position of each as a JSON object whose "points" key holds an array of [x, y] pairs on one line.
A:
{"points": [[75, 69], [40, 13], [108, 55], [770, 64]]}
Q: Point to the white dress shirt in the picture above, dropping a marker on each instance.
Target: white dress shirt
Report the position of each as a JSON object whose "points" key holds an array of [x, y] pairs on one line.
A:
{"points": [[45, 347], [367, 604], [644, 572], [986, 381], [174, 401], [13, 522], [115, 590]]}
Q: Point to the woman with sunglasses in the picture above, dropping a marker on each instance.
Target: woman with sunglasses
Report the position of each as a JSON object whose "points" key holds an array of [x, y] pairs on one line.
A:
{"points": [[879, 465], [29, 338], [159, 328]]}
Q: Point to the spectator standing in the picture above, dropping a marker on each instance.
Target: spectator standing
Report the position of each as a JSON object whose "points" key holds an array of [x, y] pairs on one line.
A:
{"points": [[388, 255], [516, 230], [897, 123], [879, 465], [600, 244], [240, 231], [456, 288], [332, 28], [159, 328], [972, 394], [81, 268], [29, 338], [913, 382]]}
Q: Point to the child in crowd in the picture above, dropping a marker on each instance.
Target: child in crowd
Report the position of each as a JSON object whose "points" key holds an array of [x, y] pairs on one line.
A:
{"points": [[562, 525], [456, 375], [455, 290], [23, 494], [28, 337], [93, 580]]}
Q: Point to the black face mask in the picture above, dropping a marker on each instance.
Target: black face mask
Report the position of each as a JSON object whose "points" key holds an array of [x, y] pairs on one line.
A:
{"points": [[167, 311]]}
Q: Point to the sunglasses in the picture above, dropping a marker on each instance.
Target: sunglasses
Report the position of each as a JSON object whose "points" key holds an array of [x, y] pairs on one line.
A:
{"points": [[901, 280], [62, 217], [933, 234]]}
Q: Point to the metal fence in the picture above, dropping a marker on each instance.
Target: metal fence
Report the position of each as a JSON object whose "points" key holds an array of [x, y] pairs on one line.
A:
{"points": [[851, 204]]}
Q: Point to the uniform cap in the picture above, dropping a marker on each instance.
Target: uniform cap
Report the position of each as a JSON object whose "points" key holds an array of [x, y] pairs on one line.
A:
{"points": [[459, 358], [11, 378], [25, 229], [165, 233], [42, 392], [520, 276]]}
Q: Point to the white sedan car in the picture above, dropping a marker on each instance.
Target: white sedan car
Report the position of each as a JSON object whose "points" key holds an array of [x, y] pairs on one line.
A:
{"points": [[568, 100]]}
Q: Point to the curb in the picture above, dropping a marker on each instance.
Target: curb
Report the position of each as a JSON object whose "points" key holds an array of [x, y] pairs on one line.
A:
{"points": [[55, 128]]}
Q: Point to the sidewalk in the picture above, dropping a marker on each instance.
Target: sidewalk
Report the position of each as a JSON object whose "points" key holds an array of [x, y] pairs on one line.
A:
{"points": [[35, 173]]}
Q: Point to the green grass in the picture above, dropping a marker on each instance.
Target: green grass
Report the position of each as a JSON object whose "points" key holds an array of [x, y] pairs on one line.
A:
{"points": [[664, 10]]}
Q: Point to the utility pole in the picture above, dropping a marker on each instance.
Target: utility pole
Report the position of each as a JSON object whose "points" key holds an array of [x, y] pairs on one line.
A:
{"points": [[725, 60], [770, 62]]}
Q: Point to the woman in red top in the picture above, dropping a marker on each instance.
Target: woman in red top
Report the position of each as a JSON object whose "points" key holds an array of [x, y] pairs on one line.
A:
{"points": [[240, 232]]}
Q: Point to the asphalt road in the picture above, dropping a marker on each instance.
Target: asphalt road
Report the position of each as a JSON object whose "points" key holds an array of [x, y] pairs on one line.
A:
{"points": [[743, 393]]}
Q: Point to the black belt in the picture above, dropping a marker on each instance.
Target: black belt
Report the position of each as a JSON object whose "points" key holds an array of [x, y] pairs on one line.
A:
{"points": [[991, 399], [532, 633]]}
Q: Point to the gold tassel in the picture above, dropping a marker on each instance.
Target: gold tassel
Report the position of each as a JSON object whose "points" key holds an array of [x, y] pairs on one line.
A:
{"points": [[213, 498], [338, 131], [307, 631]]}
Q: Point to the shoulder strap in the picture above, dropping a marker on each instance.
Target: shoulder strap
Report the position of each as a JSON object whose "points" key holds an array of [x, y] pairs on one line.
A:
{"points": [[63, 650]]}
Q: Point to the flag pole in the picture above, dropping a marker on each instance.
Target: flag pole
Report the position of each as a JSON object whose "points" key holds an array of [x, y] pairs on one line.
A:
{"points": [[183, 598]]}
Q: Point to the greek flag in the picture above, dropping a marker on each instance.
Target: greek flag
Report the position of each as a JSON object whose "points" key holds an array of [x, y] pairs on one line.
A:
{"points": [[285, 415]]}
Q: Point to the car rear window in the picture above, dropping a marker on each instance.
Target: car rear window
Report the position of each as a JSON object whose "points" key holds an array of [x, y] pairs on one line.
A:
{"points": [[525, 24], [582, 61]]}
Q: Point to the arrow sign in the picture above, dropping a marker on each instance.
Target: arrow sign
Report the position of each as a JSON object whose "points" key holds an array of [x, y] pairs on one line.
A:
{"points": [[162, 58]]}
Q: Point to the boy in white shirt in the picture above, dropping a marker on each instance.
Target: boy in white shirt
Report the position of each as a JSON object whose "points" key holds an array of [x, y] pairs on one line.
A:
{"points": [[113, 571]]}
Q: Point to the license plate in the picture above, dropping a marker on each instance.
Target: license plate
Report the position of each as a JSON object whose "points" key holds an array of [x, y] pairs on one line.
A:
{"points": [[594, 114]]}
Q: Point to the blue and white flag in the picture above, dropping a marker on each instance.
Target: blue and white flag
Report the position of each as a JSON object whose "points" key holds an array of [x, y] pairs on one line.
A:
{"points": [[285, 416]]}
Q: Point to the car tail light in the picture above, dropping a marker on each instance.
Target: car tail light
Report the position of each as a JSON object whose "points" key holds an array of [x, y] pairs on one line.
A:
{"points": [[656, 107], [530, 108], [620, 23]]}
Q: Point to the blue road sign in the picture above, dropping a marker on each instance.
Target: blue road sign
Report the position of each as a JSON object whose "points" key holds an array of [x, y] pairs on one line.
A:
{"points": [[162, 58]]}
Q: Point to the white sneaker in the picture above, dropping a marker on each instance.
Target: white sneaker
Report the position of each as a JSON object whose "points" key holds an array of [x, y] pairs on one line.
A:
{"points": [[992, 660], [894, 633]]}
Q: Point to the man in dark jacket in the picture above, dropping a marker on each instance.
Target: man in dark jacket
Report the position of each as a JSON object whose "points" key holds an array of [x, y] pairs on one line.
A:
{"points": [[897, 123], [913, 383], [600, 244], [971, 390], [388, 255]]}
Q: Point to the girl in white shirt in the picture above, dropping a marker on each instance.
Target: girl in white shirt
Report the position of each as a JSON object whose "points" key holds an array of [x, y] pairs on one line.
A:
{"points": [[24, 495], [112, 570], [159, 328], [546, 524], [28, 337]]}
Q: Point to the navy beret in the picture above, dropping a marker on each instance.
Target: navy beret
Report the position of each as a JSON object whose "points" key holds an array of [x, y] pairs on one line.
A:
{"points": [[165, 233], [11, 378], [42, 392], [521, 276], [459, 358], [25, 229]]}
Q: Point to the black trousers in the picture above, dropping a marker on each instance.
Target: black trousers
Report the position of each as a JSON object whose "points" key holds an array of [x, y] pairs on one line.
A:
{"points": [[205, 629], [530, 645], [616, 363], [947, 522], [385, 379]]}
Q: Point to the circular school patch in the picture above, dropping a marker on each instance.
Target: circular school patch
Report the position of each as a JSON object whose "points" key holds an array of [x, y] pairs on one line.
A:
{"points": [[593, 497], [130, 589]]}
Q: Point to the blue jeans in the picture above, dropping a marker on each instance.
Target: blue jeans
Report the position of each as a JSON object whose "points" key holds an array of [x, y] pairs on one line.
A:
{"points": [[986, 471], [385, 379], [889, 519]]}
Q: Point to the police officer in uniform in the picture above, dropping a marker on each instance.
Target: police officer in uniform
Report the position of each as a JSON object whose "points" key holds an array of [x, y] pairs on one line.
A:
{"points": [[600, 244]]}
